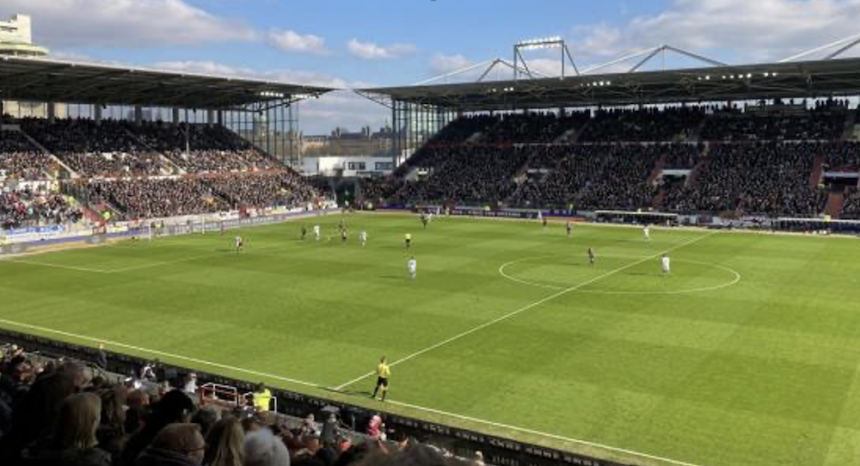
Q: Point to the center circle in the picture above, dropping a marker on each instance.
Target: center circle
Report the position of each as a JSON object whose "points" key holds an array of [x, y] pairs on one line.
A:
{"points": [[563, 273]]}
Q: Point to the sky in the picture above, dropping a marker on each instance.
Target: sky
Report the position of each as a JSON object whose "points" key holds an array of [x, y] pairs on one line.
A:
{"points": [[365, 43]]}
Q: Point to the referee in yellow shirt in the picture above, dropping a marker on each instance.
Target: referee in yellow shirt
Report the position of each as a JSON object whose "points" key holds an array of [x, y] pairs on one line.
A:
{"points": [[408, 238], [383, 372]]}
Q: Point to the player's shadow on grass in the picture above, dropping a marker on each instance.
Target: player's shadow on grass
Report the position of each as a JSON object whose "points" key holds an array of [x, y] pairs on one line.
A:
{"points": [[356, 392]]}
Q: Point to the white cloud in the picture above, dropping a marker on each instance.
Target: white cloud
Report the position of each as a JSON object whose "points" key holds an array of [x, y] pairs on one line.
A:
{"points": [[343, 109], [441, 63], [291, 41], [372, 51], [744, 30], [125, 23]]}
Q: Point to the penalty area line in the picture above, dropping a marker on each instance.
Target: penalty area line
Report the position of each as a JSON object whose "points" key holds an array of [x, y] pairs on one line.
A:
{"points": [[524, 309], [165, 354]]}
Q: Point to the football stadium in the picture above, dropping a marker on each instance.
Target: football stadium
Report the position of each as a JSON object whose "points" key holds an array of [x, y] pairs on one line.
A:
{"points": [[628, 263]]}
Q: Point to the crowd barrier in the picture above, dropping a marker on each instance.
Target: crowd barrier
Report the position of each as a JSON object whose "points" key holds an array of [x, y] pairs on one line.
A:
{"points": [[462, 442], [159, 228]]}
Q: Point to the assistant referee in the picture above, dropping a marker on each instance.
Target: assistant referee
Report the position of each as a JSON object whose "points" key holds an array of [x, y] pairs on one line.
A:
{"points": [[383, 372]]}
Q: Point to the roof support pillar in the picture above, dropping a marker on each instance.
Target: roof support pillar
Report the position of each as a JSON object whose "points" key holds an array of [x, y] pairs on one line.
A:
{"points": [[220, 115], [210, 117], [52, 112], [138, 114], [97, 113], [175, 116]]}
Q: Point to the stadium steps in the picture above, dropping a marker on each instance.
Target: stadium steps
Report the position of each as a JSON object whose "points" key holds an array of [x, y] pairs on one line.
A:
{"points": [[565, 137], [835, 201], [164, 158], [657, 201], [817, 170], [850, 126], [53, 157], [658, 169], [570, 136], [700, 165]]}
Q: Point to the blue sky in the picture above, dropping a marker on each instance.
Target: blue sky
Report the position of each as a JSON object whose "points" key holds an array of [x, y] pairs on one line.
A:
{"points": [[352, 43]]}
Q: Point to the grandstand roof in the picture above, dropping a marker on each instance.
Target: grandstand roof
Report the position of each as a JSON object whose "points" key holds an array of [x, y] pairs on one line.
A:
{"points": [[46, 80], [823, 78]]}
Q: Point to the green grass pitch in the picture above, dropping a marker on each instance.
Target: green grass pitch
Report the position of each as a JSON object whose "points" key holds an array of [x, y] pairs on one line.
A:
{"points": [[746, 354]]}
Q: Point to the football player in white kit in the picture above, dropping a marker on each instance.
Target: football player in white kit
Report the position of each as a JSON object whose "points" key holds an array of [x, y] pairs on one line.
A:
{"points": [[317, 232], [239, 244], [665, 261], [363, 237], [646, 232], [412, 265]]}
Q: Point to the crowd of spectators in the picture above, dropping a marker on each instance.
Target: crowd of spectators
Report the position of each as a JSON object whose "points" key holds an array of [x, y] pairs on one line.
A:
{"points": [[642, 124], [22, 208], [259, 190], [157, 197], [592, 177], [462, 129], [200, 148], [200, 194], [851, 205], [532, 128], [755, 178], [826, 121], [94, 149], [21, 160], [841, 156], [469, 173], [61, 413]]}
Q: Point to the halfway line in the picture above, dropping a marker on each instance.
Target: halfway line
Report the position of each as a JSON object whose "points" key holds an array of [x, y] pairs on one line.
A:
{"points": [[524, 309]]}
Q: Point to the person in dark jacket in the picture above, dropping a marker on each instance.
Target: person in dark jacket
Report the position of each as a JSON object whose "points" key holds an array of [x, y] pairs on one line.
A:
{"points": [[174, 407], [176, 445], [73, 442]]}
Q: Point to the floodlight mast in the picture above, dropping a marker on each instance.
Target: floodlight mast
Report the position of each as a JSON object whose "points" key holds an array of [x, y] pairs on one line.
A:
{"points": [[555, 42]]}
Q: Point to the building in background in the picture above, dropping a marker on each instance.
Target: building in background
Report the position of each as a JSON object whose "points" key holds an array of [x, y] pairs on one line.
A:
{"points": [[16, 39]]}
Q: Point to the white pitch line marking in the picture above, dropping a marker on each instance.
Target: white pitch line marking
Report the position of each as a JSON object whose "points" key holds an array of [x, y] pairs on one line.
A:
{"points": [[159, 353], [56, 266], [734, 281], [524, 309], [541, 434], [311, 384]]}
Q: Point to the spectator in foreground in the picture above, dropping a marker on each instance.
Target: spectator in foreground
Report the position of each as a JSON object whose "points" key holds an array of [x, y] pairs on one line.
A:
{"points": [[224, 443], [35, 415], [73, 442], [205, 417], [174, 407], [111, 431], [262, 448], [175, 445]]}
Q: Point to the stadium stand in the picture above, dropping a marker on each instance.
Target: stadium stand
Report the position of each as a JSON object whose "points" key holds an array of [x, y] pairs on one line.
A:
{"points": [[69, 412], [26, 207], [758, 160], [20, 159]]}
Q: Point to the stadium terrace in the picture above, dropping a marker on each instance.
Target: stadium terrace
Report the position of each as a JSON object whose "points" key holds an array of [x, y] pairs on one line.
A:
{"points": [[674, 282]]}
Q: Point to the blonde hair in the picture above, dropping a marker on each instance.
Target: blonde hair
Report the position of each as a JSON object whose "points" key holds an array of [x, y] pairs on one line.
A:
{"points": [[224, 443], [79, 418]]}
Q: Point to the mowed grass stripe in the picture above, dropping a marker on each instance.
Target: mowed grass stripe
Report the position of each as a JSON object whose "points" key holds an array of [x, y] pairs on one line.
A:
{"points": [[763, 372]]}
